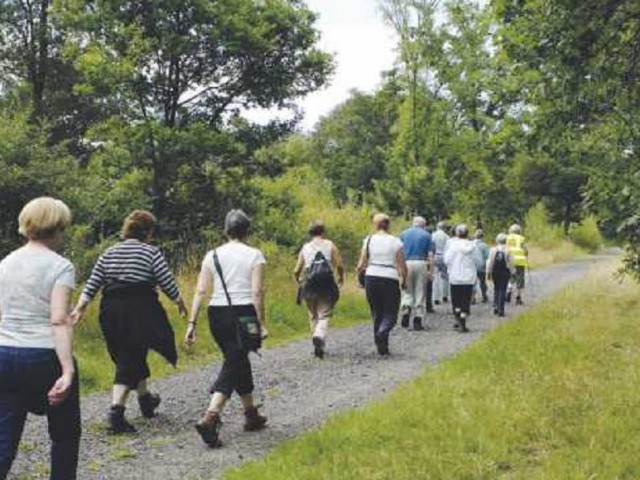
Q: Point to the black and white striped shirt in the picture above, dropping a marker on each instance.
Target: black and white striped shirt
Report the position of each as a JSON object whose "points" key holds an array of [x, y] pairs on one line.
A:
{"points": [[131, 262]]}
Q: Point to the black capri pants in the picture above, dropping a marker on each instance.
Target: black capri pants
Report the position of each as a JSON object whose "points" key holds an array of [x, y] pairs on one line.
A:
{"points": [[235, 374]]}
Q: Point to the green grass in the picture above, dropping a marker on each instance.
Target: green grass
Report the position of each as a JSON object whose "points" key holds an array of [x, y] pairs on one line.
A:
{"points": [[286, 320], [553, 395]]}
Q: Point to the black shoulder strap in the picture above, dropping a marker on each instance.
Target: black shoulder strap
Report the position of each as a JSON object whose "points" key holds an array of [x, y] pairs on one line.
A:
{"points": [[216, 262], [368, 242]]}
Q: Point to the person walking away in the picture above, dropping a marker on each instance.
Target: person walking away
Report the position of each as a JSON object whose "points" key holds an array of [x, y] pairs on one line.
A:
{"points": [[461, 259], [382, 260], [132, 319], [417, 253], [38, 373], [440, 284], [517, 245], [236, 272], [484, 251], [500, 268], [430, 275], [318, 260]]}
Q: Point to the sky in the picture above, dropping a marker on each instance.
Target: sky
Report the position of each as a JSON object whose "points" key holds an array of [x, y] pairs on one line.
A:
{"points": [[363, 47]]}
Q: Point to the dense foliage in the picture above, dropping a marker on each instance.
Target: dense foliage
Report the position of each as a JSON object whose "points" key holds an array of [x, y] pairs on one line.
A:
{"points": [[490, 110]]}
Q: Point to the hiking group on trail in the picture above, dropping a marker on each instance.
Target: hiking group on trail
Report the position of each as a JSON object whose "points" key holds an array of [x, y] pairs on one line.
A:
{"points": [[403, 278]]}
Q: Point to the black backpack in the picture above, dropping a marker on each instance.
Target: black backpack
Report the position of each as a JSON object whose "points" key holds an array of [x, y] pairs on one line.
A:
{"points": [[500, 267], [319, 275]]}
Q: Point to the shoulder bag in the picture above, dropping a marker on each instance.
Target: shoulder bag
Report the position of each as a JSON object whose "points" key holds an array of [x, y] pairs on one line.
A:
{"points": [[362, 273]]}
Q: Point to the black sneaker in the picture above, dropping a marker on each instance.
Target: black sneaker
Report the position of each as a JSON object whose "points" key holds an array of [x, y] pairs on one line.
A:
{"points": [[463, 323], [436, 302], [519, 300], [404, 322], [445, 299], [417, 324], [148, 404], [116, 423], [318, 347]]}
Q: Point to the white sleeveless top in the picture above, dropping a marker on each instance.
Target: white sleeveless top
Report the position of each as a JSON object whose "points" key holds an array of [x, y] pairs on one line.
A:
{"points": [[310, 249]]}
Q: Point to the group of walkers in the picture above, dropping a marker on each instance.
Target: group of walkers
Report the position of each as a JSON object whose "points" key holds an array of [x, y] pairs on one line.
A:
{"points": [[402, 277]]}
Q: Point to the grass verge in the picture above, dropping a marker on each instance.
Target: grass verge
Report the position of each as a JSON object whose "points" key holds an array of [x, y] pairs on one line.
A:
{"points": [[553, 395]]}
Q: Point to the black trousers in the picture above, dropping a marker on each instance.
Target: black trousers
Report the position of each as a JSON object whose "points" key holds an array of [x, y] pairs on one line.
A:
{"points": [[26, 375], [500, 286], [383, 295], [461, 298], [429, 294], [482, 282], [235, 374]]}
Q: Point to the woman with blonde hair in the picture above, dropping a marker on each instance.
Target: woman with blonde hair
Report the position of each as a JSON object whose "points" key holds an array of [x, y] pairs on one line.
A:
{"points": [[131, 317], [37, 370], [383, 263]]}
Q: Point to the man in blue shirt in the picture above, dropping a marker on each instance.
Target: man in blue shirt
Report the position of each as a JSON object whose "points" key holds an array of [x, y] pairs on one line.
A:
{"points": [[418, 252]]}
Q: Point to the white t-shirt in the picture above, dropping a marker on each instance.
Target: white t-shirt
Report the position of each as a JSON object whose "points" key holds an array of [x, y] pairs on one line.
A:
{"points": [[310, 250], [383, 251], [237, 261], [27, 279]]}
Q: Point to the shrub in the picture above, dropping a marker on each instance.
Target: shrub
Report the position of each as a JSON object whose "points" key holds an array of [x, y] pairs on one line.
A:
{"points": [[587, 235]]}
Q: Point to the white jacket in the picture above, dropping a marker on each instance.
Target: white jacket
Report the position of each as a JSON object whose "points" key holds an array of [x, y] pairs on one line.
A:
{"points": [[462, 258]]}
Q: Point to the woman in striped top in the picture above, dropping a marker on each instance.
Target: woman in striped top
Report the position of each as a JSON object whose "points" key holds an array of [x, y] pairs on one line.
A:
{"points": [[131, 317]]}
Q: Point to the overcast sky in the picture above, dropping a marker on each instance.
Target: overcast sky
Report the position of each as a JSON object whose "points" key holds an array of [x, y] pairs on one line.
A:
{"points": [[363, 47]]}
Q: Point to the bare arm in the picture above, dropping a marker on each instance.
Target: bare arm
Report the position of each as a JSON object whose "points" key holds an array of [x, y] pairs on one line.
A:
{"points": [[402, 266], [257, 293], [202, 288], [338, 264], [62, 332], [299, 267], [362, 261]]}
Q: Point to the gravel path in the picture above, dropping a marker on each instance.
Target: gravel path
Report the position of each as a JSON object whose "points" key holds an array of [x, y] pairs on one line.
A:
{"points": [[299, 393]]}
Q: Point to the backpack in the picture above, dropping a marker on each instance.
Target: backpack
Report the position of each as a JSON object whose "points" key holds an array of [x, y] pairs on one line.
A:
{"points": [[319, 275], [500, 267]]}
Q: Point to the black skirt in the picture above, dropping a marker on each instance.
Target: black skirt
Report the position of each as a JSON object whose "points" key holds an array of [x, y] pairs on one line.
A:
{"points": [[132, 317]]}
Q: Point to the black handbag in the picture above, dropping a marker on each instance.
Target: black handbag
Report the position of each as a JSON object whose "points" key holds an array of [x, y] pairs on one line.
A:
{"points": [[362, 273], [248, 328]]}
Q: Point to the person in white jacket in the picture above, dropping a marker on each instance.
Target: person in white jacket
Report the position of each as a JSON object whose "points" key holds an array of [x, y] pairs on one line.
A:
{"points": [[462, 259]]}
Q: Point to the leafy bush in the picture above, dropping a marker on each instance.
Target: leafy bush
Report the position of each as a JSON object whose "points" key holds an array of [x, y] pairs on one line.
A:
{"points": [[587, 235], [539, 230]]}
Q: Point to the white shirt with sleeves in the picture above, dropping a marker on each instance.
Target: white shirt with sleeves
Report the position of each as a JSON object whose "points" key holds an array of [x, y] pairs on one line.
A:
{"points": [[27, 279], [383, 255], [237, 261]]}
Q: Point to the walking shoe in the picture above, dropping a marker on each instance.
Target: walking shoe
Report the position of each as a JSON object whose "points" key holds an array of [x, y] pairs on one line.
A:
{"points": [[148, 404], [436, 302], [485, 299], [501, 314], [404, 322], [519, 300], [318, 347], [209, 428], [508, 297], [417, 324], [495, 311], [430, 310], [253, 421], [445, 299], [116, 423], [463, 323]]}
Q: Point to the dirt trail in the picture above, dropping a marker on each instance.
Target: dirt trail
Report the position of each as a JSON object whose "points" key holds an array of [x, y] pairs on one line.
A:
{"points": [[299, 393]]}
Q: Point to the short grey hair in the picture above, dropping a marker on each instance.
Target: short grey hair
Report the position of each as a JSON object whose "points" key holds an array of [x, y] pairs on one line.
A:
{"points": [[501, 239], [462, 231], [479, 233], [441, 225], [237, 224], [515, 228], [419, 222]]}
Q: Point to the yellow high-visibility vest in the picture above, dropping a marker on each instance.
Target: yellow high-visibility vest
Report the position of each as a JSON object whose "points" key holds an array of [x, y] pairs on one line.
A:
{"points": [[515, 242]]}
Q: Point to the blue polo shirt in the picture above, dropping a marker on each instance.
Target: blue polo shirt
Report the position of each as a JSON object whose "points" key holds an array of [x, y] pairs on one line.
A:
{"points": [[417, 243]]}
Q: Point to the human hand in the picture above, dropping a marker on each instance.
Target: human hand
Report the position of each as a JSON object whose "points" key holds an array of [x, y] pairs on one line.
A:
{"points": [[60, 390], [190, 336], [264, 332], [76, 315], [182, 309]]}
